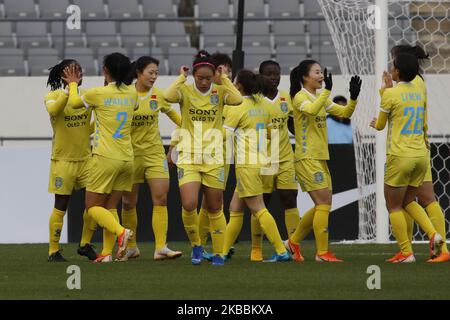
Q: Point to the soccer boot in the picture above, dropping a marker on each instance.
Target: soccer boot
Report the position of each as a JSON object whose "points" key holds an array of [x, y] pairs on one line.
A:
{"points": [[436, 243], [122, 240], [56, 257], [131, 253], [165, 253], [279, 257], [196, 257], [443, 257], [88, 251], [103, 258], [401, 258], [217, 260], [294, 250], [207, 256], [327, 257]]}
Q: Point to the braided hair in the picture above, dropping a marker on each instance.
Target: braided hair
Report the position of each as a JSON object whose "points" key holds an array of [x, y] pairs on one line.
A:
{"points": [[54, 78]]}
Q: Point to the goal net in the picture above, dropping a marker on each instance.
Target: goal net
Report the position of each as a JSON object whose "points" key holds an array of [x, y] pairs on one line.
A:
{"points": [[353, 24]]}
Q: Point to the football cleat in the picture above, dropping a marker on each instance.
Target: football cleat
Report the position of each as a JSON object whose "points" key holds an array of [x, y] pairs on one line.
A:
{"points": [[207, 256], [88, 251], [279, 257], [56, 257], [196, 257], [103, 259], [130, 253], [256, 255], [327, 257], [436, 243], [394, 257], [444, 257], [166, 253], [123, 242], [217, 260], [294, 250], [401, 258]]}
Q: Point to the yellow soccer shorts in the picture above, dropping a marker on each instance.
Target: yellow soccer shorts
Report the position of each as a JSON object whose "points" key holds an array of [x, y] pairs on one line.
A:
{"points": [[313, 174], [207, 175], [249, 182], [428, 174], [65, 176], [403, 172], [110, 174], [284, 179], [151, 166]]}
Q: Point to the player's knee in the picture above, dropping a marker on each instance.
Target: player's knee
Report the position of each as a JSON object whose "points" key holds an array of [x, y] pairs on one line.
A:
{"points": [[425, 199], [159, 199], [190, 205], [129, 202]]}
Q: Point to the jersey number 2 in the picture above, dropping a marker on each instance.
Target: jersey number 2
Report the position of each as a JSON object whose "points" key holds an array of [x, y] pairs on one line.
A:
{"points": [[121, 116]]}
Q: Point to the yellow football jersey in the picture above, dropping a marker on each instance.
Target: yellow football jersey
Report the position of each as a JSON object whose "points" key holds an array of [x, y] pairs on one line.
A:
{"points": [[113, 108], [310, 119], [145, 134], [201, 116], [280, 111], [248, 121], [405, 105], [71, 130]]}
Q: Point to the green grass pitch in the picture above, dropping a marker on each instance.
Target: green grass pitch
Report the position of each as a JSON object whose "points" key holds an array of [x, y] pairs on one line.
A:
{"points": [[25, 274]]}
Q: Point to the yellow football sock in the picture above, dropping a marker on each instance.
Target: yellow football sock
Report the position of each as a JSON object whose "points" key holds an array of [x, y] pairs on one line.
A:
{"points": [[130, 221], [89, 227], [304, 226], [399, 229], [419, 215], [291, 220], [160, 221], [190, 222], [257, 233], [409, 225], [233, 229], [438, 220], [320, 226], [55, 229], [269, 226], [109, 238], [203, 225], [217, 226], [106, 220]]}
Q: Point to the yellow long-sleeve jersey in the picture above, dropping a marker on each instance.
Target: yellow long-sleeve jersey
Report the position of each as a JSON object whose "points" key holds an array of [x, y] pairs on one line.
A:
{"points": [[405, 105], [201, 114], [248, 121], [71, 128], [280, 111], [114, 108], [310, 120], [145, 135]]}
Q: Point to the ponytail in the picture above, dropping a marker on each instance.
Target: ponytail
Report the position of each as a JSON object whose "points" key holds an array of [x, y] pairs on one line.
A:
{"points": [[119, 67]]}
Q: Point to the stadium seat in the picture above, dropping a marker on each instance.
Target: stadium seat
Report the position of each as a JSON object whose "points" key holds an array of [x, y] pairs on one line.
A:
{"points": [[102, 34], [85, 56], [91, 8], [156, 53], [289, 33], [312, 9], [170, 34], [253, 8], [135, 33], [20, 9], [290, 56], [124, 9], [12, 62], [53, 8], [159, 9], [330, 61], [179, 57], [60, 35], [256, 33], [217, 34], [32, 34], [212, 9], [40, 60], [255, 55], [227, 50], [6, 38], [103, 51], [284, 8]]}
